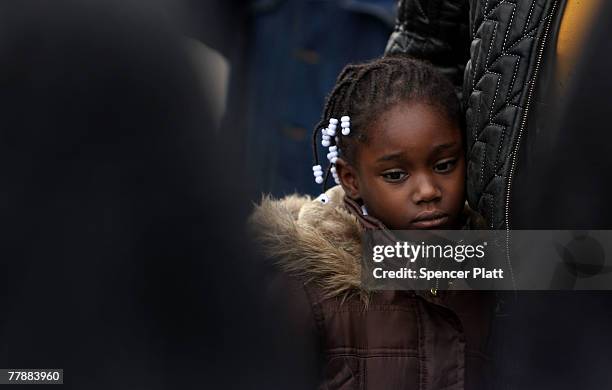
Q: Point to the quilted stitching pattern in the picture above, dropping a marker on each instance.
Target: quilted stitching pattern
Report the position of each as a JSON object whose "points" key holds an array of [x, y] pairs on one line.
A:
{"points": [[501, 67]]}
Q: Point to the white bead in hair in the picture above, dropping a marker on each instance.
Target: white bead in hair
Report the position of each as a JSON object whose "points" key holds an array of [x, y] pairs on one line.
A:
{"points": [[317, 171], [331, 128], [332, 157], [335, 175], [346, 125]]}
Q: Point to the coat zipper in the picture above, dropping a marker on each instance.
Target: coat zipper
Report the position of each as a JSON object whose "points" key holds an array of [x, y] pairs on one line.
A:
{"points": [[518, 141]]}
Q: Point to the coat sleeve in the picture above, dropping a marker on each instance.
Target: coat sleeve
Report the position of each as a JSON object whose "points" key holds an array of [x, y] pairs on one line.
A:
{"points": [[436, 31]]}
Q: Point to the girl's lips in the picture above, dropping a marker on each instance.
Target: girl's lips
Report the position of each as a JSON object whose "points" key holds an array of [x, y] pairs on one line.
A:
{"points": [[430, 219], [430, 223]]}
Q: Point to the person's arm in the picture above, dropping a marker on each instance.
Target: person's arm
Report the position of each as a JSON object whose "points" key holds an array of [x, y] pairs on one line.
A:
{"points": [[436, 31]]}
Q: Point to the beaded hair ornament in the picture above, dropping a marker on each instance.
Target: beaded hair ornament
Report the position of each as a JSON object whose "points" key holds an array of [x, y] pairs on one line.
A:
{"points": [[332, 156]]}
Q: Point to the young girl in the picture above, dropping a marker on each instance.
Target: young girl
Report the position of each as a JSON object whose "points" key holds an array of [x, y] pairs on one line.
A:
{"points": [[393, 131]]}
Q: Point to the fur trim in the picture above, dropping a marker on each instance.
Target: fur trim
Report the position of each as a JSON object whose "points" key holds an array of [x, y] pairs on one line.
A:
{"points": [[319, 243]]}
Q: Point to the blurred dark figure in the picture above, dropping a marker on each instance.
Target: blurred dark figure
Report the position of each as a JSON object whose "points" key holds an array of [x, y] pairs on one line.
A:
{"points": [[570, 332], [121, 219], [578, 190], [562, 339]]}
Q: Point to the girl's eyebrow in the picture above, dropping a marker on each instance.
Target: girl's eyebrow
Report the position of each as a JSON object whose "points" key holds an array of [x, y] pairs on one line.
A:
{"points": [[399, 155], [390, 157], [439, 148]]}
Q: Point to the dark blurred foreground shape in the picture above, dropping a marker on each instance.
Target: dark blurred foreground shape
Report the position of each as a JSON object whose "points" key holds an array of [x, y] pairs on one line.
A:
{"points": [[120, 217], [562, 339]]}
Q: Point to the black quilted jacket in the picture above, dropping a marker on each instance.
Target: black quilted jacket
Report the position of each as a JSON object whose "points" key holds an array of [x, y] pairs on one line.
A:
{"points": [[502, 43]]}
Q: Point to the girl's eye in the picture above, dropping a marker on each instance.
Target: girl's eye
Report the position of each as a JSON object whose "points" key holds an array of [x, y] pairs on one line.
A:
{"points": [[445, 166], [394, 176]]}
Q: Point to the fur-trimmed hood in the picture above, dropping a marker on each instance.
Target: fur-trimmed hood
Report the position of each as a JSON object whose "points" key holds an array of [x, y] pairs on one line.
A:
{"points": [[315, 241], [319, 242]]}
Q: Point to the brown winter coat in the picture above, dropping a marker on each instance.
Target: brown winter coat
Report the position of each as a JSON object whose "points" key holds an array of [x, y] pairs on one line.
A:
{"points": [[370, 340]]}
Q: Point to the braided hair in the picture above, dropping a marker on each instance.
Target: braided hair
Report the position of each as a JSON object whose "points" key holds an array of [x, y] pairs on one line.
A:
{"points": [[366, 91]]}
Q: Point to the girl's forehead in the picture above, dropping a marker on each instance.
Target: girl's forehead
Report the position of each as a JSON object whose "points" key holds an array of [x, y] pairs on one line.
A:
{"points": [[412, 125]]}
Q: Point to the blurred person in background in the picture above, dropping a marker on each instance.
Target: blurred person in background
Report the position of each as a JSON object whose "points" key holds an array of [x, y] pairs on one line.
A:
{"points": [[121, 217]]}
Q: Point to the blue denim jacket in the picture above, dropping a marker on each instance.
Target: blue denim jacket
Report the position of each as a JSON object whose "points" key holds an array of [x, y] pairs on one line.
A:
{"points": [[297, 49]]}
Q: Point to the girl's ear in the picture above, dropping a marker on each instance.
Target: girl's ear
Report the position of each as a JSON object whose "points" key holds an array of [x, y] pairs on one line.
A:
{"points": [[348, 179]]}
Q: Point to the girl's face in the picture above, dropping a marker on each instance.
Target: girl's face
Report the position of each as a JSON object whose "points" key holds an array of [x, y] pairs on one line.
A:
{"points": [[410, 174]]}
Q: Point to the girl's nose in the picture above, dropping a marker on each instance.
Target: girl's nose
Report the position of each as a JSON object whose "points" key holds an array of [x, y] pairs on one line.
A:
{"points": [[425, 190]]}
